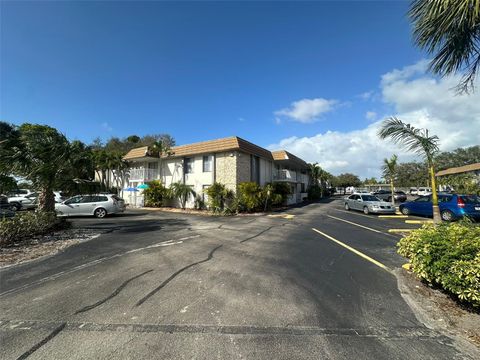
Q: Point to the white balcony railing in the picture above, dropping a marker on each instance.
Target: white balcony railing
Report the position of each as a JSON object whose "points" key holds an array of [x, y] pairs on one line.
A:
{"points": [[284, 175], [143, 174]]}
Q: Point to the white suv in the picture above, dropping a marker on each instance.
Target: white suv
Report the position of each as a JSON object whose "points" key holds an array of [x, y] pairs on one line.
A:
{"points": [[99, 205], [422, 191]]}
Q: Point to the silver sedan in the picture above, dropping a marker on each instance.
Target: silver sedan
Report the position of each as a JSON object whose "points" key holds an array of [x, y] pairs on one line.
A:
{"points": [[368, 204], [98, 205]]}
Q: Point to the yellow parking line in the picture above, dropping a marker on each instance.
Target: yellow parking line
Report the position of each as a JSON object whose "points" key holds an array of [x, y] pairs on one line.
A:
{"points": [[393, 216], [399, 230], [349, 222], [366, 257], [418, 221]]}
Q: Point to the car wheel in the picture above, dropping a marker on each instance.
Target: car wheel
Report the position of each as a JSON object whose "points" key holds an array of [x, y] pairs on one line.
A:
{"points": [[405, 211], [347, 207], [365, 210], [15, 206], [447, 215], [100, 213]]}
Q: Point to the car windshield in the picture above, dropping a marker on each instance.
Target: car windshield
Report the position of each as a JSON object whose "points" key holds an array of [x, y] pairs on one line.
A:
{"points": [[370, 198]]}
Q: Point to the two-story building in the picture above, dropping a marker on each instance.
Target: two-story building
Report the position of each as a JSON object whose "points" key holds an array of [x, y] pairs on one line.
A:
{"points": [[229, 161]]}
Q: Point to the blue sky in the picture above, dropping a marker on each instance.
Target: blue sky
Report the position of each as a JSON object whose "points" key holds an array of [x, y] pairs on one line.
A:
{"points": [[195, 70], [265, 71]]}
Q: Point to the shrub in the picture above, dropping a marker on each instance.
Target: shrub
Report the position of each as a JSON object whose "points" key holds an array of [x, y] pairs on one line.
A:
{"points": [[156, 194], [447, 255], [218, 196], [314, 192], [25, 225], [250, 197], [280, 194]]}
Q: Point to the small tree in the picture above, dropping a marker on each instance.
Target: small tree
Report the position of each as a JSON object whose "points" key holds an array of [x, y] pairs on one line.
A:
{"points": [[418, 141], [182, 192], [218, 195], [156, 194], [389, 170]]}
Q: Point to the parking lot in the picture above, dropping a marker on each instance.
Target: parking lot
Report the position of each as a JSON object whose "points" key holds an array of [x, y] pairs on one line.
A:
{"points": [[315, 281]]}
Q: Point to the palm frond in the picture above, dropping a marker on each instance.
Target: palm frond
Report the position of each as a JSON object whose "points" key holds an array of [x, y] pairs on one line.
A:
{"points": [[411, 138], [449, 29]]}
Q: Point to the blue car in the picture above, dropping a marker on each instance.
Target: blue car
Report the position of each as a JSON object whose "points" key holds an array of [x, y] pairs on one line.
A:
{"points": [[452, 206]]}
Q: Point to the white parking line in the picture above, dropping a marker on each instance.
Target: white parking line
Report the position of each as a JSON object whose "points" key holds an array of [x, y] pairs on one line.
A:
{"points": [[349, 222]]}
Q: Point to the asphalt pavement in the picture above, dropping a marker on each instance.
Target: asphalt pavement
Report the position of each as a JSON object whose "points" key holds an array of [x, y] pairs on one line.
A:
{"points": [[313, 282]]}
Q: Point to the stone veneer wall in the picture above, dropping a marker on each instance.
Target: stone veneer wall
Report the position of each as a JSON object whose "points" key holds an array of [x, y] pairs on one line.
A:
{"points": [[226, 169]]}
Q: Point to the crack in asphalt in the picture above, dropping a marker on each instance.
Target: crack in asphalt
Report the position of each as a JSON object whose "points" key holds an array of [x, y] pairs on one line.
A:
{"points": [[112, 295], [257, 235], [175, 274], [38, 345], [415, 332]]}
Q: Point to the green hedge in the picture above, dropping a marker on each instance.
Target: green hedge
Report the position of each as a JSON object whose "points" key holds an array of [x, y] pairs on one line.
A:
{"points": [[447, 255], [25, 225]]}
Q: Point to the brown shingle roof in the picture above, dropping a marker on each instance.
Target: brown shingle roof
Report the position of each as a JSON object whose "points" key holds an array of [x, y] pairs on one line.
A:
{"points": [[459, 170], [212, 146], [283, 155], [136, 153]]}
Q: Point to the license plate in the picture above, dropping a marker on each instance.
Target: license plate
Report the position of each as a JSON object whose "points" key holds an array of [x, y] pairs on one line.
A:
{"points": [[477, 208]]}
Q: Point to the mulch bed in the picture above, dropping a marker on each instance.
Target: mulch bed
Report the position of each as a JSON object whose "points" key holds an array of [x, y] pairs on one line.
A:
{"points": [[43, 245]]}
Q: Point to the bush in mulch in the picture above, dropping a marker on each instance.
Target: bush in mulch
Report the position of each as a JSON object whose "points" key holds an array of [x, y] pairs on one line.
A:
{"points": [[447, 255], [28, 224]]}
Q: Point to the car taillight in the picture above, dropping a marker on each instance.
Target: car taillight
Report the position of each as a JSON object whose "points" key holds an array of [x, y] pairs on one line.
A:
{"points": [[460, 202]]}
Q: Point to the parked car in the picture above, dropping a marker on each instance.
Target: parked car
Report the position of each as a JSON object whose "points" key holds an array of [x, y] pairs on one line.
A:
{"points": [[452, 206], [413, 191], [368, 204], [423, 191], [87, 205], [363, 191], [6, 213], [20, 201], [386, 195]]}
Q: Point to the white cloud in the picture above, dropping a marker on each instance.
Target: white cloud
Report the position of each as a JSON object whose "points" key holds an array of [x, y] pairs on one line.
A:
{"points": [[106, 126], [415, 98], [370, 115], [307, 110], [367, 95]]}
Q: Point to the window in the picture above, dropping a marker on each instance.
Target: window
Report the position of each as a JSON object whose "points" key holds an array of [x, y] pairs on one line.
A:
{"points": [[255, 169], [188, 165], [207, 163], [423, 199], [74, 200], [100, 198]]}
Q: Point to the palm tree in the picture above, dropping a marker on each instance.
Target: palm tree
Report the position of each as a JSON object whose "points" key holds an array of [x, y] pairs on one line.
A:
{"points": [[315, 170], [159, 149], [182, 192], [389, 170], [418, 141], [450, 30], [39, 154]]}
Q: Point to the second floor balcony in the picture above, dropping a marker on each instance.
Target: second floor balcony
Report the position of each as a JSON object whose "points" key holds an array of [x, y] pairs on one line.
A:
{"points": [[144, 174], [284, 175]]}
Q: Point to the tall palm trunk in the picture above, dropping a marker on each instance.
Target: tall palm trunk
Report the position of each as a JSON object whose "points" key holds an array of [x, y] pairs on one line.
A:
{"points": [[392, 190], [46, 199], [437, 218]]}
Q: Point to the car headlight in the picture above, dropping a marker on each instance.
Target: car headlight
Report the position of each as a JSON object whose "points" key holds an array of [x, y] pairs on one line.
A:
{"points": [[375, 206]]}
